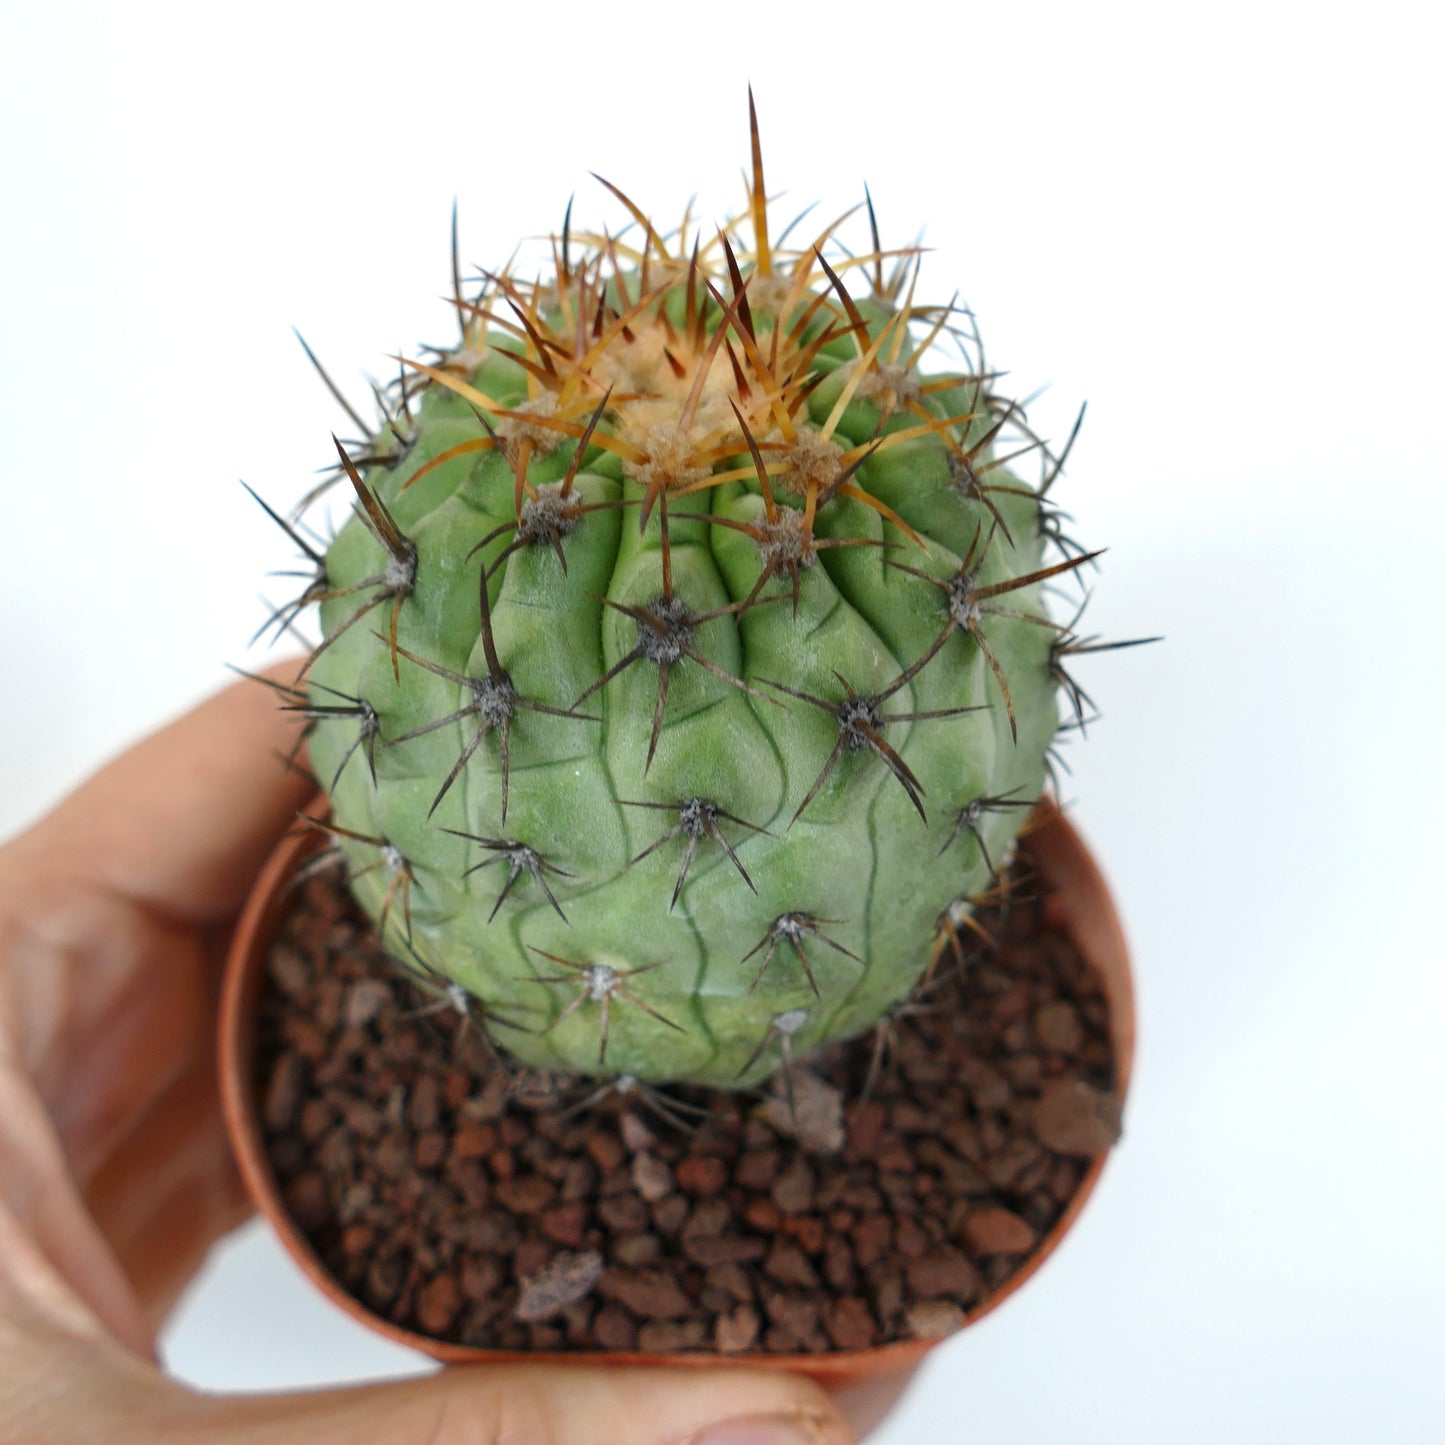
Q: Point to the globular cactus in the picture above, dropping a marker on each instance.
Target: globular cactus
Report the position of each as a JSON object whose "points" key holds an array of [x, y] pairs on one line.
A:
{"points": [[685, 665]]}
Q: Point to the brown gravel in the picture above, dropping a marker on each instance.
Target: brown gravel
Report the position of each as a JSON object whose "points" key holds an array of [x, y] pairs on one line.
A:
{"points": [[482, 1206]]}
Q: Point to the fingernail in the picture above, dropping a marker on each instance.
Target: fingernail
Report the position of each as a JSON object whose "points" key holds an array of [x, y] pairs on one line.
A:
{"points": [[759, 1430]]}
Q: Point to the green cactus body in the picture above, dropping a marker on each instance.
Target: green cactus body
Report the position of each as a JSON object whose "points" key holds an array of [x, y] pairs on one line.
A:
{"points": [[755, 587]]}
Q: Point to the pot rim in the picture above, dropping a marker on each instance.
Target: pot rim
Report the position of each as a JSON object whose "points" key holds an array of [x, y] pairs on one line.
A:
{"points": [[1079, 902]]}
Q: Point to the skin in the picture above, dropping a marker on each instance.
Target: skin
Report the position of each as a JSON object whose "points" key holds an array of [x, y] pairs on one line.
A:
{"points": [[116, 1178]]}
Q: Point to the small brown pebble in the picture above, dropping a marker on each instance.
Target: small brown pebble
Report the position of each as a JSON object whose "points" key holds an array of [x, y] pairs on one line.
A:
{"points": [[357, 1200], [794, 1189], [468, 1177], [489, 1102], [482, 1277], [336, 1154], [632, 1250], [962, 1137], [1074, 1118], [564, 1281], [670, 1214], [364, 1000], [996, 1269], [864, 1127], [1058, 1028], [814, 1114], [897, 1158], [530, 1257], [290, 970], [578, 1178], [438, 1304], [995, 1230], [577, 1320], [934, 1319], [649, 1294], [670, 1336], [1015, 1038], [473, 1141], [709, 1216], [384, 1278], [430, 1150], [652, 1177], [635, 1134], [527, 1194], [763, 1214], [424, 1107], [787, 1264], [1025, 1072], [307, 1038], [624, 1213], [457, 1086], [566, 1224], [315, 1120], [1014, 1157], [1038, 1210], [838, 1266], [1011, 1005], [849, 1323], [807, 1230], [495, 1232], [613, 1328], [731, 1279], [737, 1330], [757, 1169], [606, 1151], [757, 1135], [283, 1092], [309, 1201], [909, 1118], [987, 1087], [832, 1184], [871, 1236], [909, 1239], [945, 1275], [357, 1239], [368, 1122], [701, 1175], [714, 1249], [796, 1313], [861, 1197], [1062, 1180]]}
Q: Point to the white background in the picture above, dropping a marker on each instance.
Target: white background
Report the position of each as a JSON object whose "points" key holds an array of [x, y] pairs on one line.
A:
{"points": [[1219, 223]]}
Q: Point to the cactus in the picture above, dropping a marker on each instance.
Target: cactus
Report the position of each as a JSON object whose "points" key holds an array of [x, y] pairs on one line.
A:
{"points": [[685, 669]]}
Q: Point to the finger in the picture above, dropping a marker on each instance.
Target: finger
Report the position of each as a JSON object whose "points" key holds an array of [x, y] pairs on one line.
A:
{"points": [[182, 821], [169, 1190], [53, 1260], [866, 1403], [546, 1405]]}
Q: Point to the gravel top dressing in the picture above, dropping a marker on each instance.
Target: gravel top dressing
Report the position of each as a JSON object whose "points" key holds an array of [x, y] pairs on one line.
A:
{"points": [[877, 1194]]}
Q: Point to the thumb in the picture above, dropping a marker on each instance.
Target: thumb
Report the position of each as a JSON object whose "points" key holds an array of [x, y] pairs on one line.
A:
{"points": [[544, 1405]]}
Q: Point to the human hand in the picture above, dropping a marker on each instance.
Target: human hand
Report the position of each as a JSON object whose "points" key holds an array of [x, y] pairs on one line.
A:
{"points": [[115, 1173]]}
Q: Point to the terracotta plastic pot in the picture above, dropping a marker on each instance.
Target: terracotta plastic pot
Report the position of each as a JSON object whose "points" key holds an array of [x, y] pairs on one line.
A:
{"points": [[1078, 902]]}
